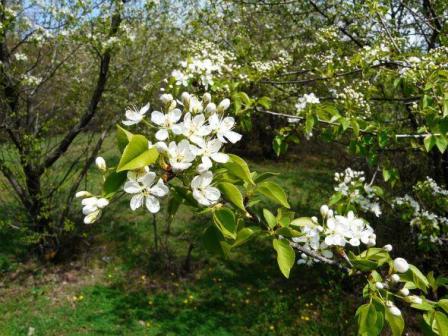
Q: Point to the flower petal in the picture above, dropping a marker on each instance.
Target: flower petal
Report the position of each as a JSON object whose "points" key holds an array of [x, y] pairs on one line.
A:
{"points": [[233, 137], [220, 157], [148, 180], [132, 187], [158, 118], [162, 134], [136, 201], [152, 204]]}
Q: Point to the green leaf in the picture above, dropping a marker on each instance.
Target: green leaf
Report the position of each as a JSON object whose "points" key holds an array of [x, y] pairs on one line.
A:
{"points": [[270, 218], [309, 124], [244, 235], [225, 221], [396, 323], [367, 316], [441, 143], [429, 142], [355, 127], [420, 280], [265, 102], [213, 241], [284, 217], [239, 168], [113, 182], [382, 139], [137, 155], [302, 221], [274, 192], [443, 303], [263, 176], [442, 323], [288, 232], [232, 194], [123, 137], [279, 145], [285, 255]]}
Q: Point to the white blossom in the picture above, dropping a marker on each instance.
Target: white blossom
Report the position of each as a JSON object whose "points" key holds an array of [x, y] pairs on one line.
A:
{"points": [[194, 127], [145, 191], [134, 115], [305, 100], [209, 150], [167, 122], [203, 192], [348, 229], [180, 155], [223, 128]]}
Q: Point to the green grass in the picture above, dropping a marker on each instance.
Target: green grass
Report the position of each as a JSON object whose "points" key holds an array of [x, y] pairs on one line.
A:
{"points": [[117, 285]]}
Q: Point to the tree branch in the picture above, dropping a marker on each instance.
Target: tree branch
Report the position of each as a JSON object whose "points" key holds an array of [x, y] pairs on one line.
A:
{"points": [[94, 101]]}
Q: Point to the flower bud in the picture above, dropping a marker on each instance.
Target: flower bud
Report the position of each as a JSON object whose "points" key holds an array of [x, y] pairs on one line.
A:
{"points": [[101, 163], [314, 219], [395, 278], [415, 299], [207, 98], [395, 311], [211, 108], [223, 105], [166, 98], [404, 291], [195, 106], [387, 248], [324, 210], [185, 97], [330, 214], [92, 217], [401, 265], [172, 105], [83, 194], [102, 203], [379, 285]]}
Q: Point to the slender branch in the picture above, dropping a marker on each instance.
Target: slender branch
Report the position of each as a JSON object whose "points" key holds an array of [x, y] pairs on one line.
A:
{"points": [[289, 116], [82, 174], [391, 38], [342, 29], [94, 101], [19, 190]]}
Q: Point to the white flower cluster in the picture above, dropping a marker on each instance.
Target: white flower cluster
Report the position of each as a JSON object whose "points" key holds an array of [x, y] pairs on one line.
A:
{"points": [[391, 283], [187, 139], [351, 184], [207, 62], [335, 230], [375, 54], [92, 206], [436, 190], [356, 100], [264, 68], [419, 68], [31, 80], [305, 100], [21, 57], [426, 217]]}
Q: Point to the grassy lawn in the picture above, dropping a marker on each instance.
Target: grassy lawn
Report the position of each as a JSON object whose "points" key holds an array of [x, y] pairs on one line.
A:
{"points": [[117, 285]]}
